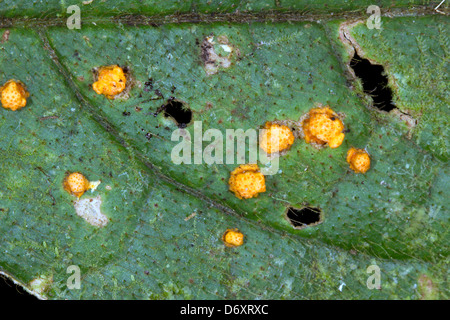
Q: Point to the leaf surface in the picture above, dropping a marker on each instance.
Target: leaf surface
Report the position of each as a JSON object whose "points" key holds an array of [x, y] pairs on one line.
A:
{"points": [[165, 221]]}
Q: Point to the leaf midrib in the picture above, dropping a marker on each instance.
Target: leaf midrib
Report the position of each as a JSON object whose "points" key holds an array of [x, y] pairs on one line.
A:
{"points": [[234, 17]]}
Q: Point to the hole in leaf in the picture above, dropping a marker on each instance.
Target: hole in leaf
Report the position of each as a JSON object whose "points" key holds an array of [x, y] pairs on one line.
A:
{"points": [[178, 111], [375, 82], [304, 217]]}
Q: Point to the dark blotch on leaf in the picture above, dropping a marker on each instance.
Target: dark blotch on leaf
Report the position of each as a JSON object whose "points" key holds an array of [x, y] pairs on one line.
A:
{"points": [[148, 85]]}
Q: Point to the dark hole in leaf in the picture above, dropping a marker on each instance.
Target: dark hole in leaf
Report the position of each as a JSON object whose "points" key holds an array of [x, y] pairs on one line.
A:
{"points": [[375, 82], [12, 291], [301, 218], [179, 112]]}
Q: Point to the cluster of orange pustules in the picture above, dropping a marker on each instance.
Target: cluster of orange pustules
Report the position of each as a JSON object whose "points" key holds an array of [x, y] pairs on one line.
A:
{"points": [[76, 183], [111, 81], [233, 238], [321, 126], [358, 159], [276, 138], [13, 95], [246, 181]]}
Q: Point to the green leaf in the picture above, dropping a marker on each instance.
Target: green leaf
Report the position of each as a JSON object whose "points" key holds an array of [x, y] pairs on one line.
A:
{"points": [[165, 221]]}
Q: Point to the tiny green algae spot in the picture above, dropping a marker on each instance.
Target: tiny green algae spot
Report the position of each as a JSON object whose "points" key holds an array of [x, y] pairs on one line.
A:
{"points": [[173, 290], [89, 210]]}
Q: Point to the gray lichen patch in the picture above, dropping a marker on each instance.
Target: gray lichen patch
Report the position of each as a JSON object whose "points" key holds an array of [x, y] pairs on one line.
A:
{"points": [[216, 55], [89, 210]]}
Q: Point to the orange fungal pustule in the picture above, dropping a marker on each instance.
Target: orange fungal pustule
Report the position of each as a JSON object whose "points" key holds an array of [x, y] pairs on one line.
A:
{"points": [[247, 181], [276, 138], [233, 238], [358, 159], [321, 126], [13, 95], [111, 81], [76, 183]]}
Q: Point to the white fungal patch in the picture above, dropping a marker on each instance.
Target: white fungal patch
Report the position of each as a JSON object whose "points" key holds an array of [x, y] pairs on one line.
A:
{"points": [[89, 210], [94, 184], [40, 284], [216, 56], [226, 48]]}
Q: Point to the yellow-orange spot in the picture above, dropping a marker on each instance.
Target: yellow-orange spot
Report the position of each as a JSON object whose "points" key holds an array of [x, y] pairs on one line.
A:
{"points": [[111, 81], [76, 184], [233, 238], [13, 95], [359, 160], [246, 181], [276, 138], [323, 126]]}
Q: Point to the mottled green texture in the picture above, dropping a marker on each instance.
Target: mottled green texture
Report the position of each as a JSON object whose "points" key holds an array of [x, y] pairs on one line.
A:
{"points": [[395, 215], [284, 70], [99, 8]]}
